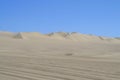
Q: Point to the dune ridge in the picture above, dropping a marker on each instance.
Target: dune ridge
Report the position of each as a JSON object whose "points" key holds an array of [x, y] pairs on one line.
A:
{"points": [[74, 36], [28, 35], [6, 34]]}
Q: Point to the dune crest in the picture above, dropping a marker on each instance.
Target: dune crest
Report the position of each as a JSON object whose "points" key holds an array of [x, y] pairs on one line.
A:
{"points": [[6, 34], [58, 35], [28, 35], [73, 36]]}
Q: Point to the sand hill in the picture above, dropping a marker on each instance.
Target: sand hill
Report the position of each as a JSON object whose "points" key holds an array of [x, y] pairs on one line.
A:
{"points": [[58, 56], [6, 34], [29, 35], [58, 35], [74, 36]]}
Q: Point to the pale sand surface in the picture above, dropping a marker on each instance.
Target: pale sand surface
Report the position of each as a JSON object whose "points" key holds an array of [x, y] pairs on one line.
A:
{"points": [[33, 56]]}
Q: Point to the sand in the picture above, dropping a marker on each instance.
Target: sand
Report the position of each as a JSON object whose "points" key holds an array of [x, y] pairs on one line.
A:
{"points": [[58, 56]]}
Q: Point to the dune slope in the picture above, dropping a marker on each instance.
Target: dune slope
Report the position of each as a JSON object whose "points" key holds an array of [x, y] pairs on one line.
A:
{"points": [[33, 56]]}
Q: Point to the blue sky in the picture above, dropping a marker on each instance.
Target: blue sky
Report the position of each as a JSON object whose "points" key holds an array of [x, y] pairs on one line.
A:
{"points": [[99, 17]]}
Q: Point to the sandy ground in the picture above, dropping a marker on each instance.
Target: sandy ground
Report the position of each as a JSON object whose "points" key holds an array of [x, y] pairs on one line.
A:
{"points": [[55, 59]]}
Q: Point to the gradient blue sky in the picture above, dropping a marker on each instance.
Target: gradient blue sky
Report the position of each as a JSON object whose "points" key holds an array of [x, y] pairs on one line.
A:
{"points": [[99, 17]]}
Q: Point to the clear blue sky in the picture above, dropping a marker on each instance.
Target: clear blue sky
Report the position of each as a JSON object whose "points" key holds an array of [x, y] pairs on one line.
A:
{"points": [[99, 17]]}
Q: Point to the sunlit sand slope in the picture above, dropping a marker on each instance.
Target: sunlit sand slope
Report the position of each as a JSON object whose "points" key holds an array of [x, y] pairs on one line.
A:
{"points": [[34, 56]]}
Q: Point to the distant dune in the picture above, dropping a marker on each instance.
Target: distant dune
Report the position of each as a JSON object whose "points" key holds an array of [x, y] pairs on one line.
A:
{"points": [[58, 56], [73, 36], [28, 35], [6, 34]]}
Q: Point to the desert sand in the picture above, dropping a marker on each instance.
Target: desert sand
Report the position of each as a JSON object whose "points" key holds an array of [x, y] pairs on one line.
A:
{"points": [[58, 56]]}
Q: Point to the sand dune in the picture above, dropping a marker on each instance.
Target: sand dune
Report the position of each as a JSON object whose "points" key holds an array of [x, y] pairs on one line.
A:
{"points": [[6, 34], [28, 35], [74, 36], [58, 56], [57, 35]]}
